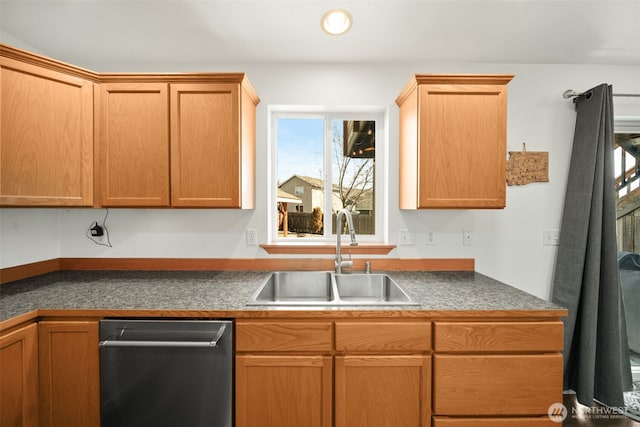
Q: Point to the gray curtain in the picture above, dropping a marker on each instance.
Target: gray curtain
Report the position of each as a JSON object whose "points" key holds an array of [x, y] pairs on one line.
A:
{"points": [[587, 280]]}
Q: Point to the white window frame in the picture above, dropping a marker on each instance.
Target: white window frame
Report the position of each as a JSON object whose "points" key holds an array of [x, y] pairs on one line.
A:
{"points": [[377, 113]]}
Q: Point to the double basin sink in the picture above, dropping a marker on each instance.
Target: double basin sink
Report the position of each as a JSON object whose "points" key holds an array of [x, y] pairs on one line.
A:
{"points": [[329, 289]]}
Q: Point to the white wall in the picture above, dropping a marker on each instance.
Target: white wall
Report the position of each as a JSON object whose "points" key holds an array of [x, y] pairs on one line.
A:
{"points": [[508, 243], [28, 235]]}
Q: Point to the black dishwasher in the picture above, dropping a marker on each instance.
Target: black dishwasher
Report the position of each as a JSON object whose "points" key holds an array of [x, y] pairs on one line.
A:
{"points": [[157, 373]]}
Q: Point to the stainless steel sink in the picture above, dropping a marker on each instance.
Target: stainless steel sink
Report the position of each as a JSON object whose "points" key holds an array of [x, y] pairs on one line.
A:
{"points": [[370, 289], [329, 289], [296, 288]]}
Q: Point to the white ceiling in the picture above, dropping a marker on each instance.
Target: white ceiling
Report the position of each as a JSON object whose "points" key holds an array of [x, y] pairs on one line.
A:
{"points": [[288, 31]]}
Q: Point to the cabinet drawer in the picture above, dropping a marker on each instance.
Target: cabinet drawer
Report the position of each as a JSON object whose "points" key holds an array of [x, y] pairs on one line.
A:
{"points": [[496, 385], [498, 336], [494, 422], [283, 336], [383, 336]]}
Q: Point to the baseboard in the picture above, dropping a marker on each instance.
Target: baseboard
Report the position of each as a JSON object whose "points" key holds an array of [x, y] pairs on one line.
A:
{"points": [[381, 264]]}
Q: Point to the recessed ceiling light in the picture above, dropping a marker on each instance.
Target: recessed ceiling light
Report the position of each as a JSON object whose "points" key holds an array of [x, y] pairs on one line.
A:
{"points": [[336, 22]]}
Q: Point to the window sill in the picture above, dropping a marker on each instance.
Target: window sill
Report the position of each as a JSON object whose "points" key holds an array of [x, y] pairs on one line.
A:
{"points": [[327, 248]]}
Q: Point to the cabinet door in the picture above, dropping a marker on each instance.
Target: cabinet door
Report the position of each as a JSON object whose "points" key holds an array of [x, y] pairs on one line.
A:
{"points": [[462, 149], [19, 378], [205, 145], [132, 144], [46, 149], [283, 391], [376, 391], [69, 374]]}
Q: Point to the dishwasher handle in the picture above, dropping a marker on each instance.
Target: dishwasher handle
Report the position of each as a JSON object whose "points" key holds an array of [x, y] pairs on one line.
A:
{"points": [[143, 343]]}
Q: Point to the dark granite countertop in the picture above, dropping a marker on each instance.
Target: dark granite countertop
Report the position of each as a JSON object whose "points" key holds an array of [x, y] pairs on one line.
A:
{"points": [[229, 291]]}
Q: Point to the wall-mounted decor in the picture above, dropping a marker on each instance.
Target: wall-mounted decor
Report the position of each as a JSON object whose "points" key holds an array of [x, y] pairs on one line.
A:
{"points": [[524, 167]]}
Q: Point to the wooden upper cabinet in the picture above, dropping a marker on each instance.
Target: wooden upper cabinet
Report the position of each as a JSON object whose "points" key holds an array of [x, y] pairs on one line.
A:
{"points": [[161, 140], [46, 147], [166, 140], [132, 144], [213, 145], [453, 141]]}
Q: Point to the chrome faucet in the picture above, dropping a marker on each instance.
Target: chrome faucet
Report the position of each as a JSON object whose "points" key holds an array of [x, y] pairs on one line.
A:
{"points": [[339, 263]]}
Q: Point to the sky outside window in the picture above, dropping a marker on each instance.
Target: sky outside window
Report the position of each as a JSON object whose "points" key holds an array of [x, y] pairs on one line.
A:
{"points": [[300, 147]]}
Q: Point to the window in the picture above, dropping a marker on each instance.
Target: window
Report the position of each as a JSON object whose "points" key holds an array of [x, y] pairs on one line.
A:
{"points": [[321, 163], [627, 166], [627, 182]]}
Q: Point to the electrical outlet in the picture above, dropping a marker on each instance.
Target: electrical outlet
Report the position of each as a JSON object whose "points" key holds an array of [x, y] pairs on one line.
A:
{"points": [[406, 237], [96, 230], [551, 237], [430, 238], [252, 237], [467, 238]]}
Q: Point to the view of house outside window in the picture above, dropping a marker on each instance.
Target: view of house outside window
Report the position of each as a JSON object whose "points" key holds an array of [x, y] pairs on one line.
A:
{"points": [[324, 164]]}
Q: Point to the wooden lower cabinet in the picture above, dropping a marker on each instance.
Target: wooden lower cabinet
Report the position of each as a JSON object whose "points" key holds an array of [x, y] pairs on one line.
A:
{"points": [[401, 373], [69, 374], [391, 390], [19, 377], [496, 373], [333, 373], [284, 391], [494, 422], [311, 372], [494, 337], [496, 384], [312, 337], [284, 373], [398, 337]]}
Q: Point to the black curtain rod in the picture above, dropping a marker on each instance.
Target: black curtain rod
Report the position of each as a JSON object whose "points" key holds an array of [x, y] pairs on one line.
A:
{"points": [[570, 93]]}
